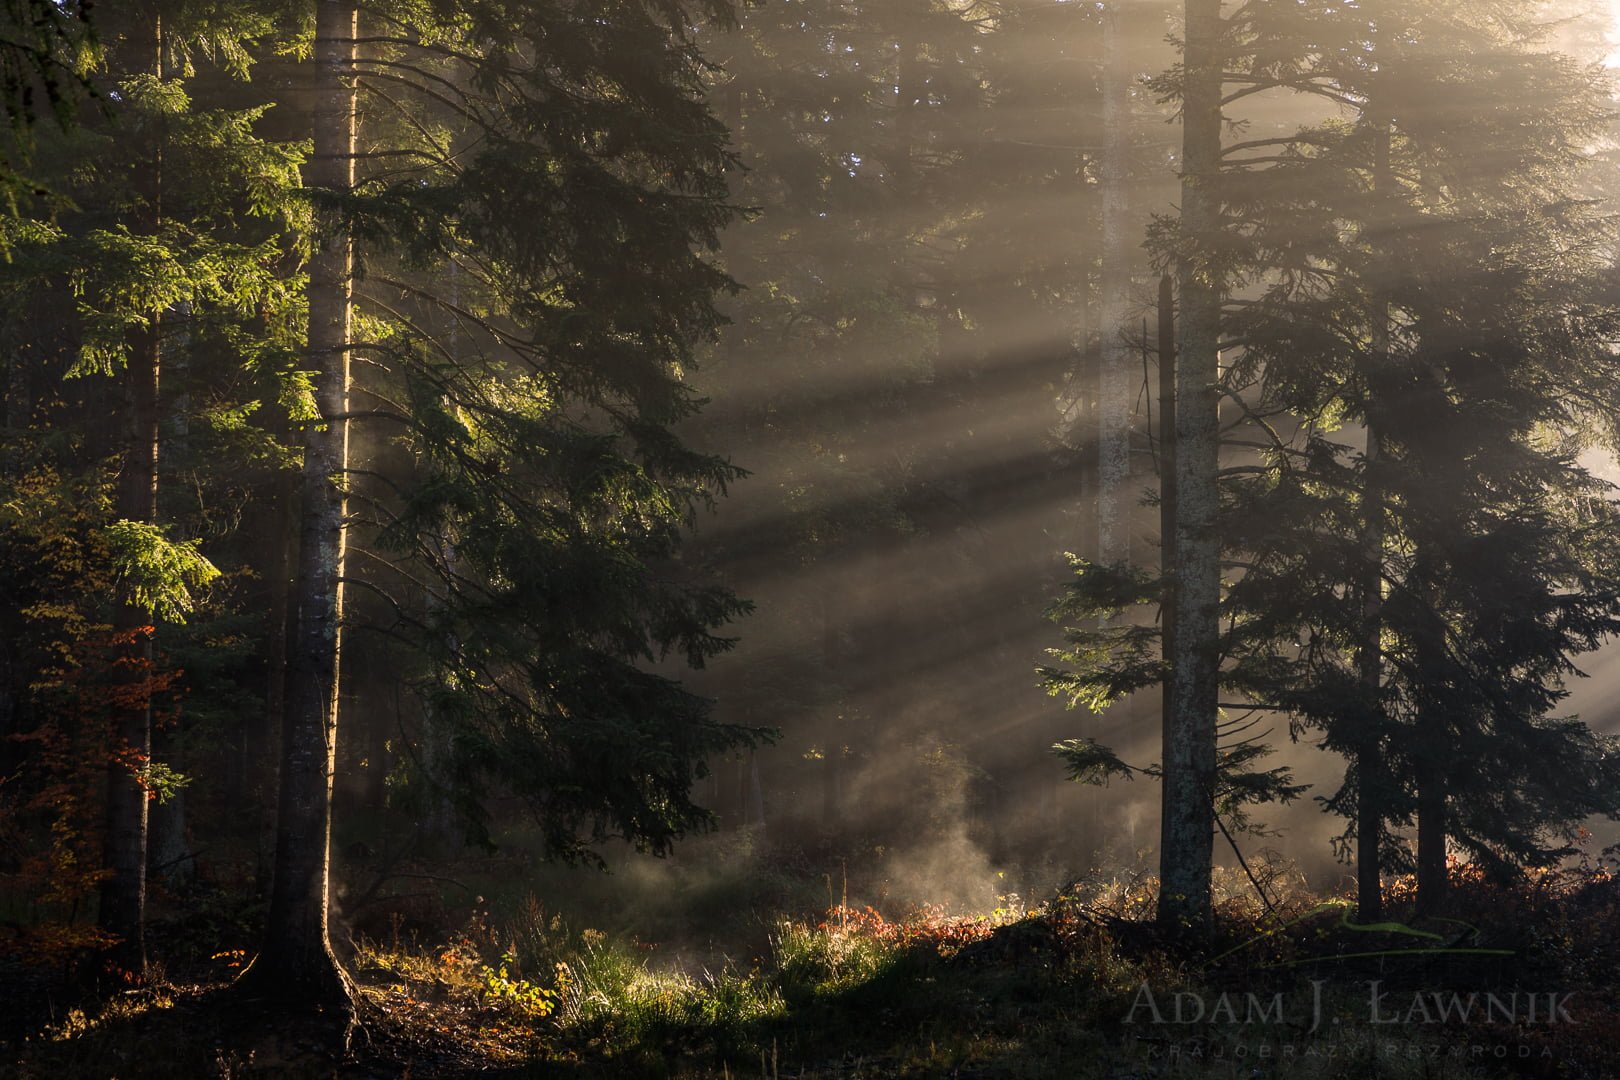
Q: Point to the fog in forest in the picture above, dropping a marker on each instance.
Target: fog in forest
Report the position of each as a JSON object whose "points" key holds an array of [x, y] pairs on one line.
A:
{"points": [[577, 502], [912, 379]]}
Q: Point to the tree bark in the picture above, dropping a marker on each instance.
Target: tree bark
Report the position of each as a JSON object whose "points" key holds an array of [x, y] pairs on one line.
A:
{"points": [[122, 909], [123, 894], [1370, 665], [1117, 382], [1429, 743], [1432, 880], [1187, 828], [1370, 811], [170, 857], [1167, 496], [296, 961]]}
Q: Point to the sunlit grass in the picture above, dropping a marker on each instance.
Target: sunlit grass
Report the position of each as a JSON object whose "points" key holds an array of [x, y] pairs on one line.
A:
{"points": [[1018, 991]]}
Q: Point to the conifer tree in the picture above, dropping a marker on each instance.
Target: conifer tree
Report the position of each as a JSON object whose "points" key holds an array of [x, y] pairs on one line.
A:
{"points": [[127, 248], [46, 57], [573, 184], [1397, 260], [296, 959], [1187, 832]]}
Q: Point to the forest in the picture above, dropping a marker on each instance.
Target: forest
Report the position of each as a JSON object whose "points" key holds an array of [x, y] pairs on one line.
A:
{"points": [[810, 538]]}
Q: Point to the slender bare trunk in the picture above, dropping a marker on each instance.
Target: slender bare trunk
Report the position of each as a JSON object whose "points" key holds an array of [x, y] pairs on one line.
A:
{"points": [[1432, 881], [123, 894], [1370, 813], [1428, 767], [1370, 810], [1187, 830], [296, 960], [1117, 382], [169, 855], [262, 745], [1167, 494]]}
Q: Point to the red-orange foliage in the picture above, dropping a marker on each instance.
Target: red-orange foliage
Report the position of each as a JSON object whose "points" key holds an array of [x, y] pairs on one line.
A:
{"points": [[929, 926], [51, 806]]}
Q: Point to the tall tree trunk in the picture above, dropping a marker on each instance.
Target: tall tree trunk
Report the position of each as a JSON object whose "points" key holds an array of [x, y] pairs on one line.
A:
{"points": [[1187, 829], [1167, 494], [1430, 745], [123, 894], [169, 854], [296, 960], [1370, 810], [1370, 813], [1117, 382], [1432, 881], [263, 744]]}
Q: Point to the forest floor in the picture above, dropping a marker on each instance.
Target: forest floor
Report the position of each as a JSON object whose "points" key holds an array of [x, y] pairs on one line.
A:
{"points": [[1080, 986]]}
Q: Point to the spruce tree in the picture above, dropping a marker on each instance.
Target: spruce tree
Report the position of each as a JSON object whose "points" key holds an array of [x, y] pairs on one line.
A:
{"points": [[130, 245], [1187, 832], [1437, 283], [1450, 300], [568, 190]]}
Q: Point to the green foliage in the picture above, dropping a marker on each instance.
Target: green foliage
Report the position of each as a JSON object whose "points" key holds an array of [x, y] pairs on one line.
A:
{"points": [[161, 781], [1442, 284], [1481, 383], [540, 276], [45, 64], [157, 573], [532, 1000], [1106, 657], [1089, 762]]}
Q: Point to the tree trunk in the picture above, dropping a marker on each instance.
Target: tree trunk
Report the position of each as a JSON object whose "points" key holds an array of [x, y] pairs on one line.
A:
{"points": [[1370, 811], [1187, 829], [123, 894], [296, 960], [1432, 881], [1430, 744], [1167, 495], [262, 746], [170, 858], [1370, 664], [1117, 382]]}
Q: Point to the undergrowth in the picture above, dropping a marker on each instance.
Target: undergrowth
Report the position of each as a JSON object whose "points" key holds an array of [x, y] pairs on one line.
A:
{"points": [[1055, 989]]}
